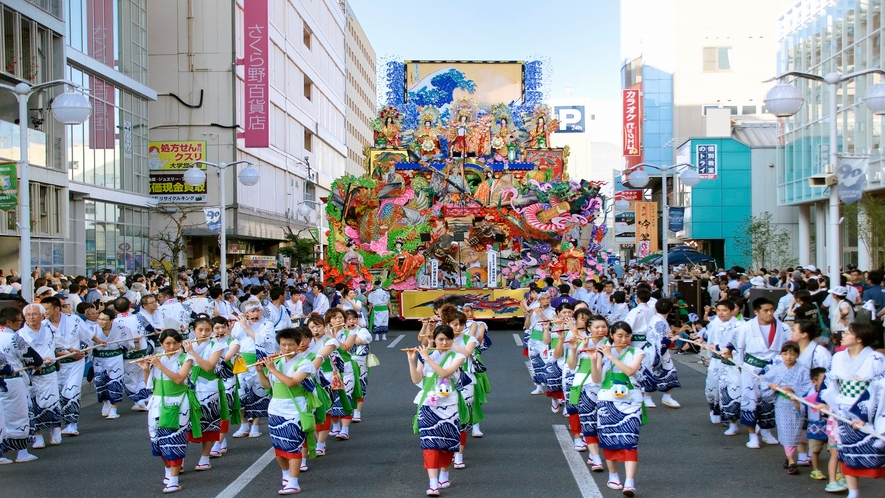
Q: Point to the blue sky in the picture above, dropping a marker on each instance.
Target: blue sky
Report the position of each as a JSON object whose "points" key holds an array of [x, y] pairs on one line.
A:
{"points": [[580, 39]]}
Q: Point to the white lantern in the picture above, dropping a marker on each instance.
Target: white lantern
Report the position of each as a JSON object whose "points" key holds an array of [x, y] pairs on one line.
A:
{"points": [[194, 177], [71, 108], [304, 210], [874, 98], [249, 176], [784, 100], [690, 177], [638, 179]]}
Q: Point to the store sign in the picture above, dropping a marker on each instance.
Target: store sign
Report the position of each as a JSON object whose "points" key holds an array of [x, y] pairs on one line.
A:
{"points": [[100, 44], [570, 117], [625, 227], [647, 226], [492, 266], [708, 161], [167, 162], [632, 103], [256, 73], [8, 186], [256, 261], [677, 219], [622, 193]]}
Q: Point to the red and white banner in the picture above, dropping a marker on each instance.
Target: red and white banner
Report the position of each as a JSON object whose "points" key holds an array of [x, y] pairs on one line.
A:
{"points": [[256, 74], [100, 46], [632, 122]]}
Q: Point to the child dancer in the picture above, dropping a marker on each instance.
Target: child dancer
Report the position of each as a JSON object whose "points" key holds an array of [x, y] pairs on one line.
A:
{"points": [[173, 408], [589, 331], [789, 416], [817, 433], [554, 334], [348, 370], [290, 412], [359, 352], [479, 330], [206, 354], [464, 344], [619, 409], [221, 330], [440, 406]]}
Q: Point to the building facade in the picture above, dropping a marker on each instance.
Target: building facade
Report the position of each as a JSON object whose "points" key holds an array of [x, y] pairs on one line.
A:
{"points": [[89, 202], [361, 92], [200, 71], [686, 68], [819, 37]]}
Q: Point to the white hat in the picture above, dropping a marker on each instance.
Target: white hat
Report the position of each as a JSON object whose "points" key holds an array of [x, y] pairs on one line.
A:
{"points": [[44, 290], [757, 282], [722, 274], [839, 291], [811, 268]]}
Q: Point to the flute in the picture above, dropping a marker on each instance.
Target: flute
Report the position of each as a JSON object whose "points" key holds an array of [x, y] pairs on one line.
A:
{"points": [[272, 357], [867, 428], [429, 349], [90, 348], [159, 355]]}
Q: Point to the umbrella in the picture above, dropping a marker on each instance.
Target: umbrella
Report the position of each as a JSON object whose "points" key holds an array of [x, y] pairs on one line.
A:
{"points": [[682, 257], [651, 257]]}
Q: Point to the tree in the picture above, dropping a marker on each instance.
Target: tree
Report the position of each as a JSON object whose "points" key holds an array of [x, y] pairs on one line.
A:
{"points": [[170, 242], [866, 218], [763, 243], [302, 251]]}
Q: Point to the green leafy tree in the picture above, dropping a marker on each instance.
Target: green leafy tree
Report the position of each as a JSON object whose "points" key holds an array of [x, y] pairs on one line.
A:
{"points": [[764, 244], [303, 249], [866, 218]]}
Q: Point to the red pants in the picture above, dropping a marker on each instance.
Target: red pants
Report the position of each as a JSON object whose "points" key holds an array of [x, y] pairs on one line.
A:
{"points": [[437, 459], [213, 436], [287, 455], [174, 463], [621, 455], [325, 426], [556, 395], [574, 423], [463, 439], [592, 440]]}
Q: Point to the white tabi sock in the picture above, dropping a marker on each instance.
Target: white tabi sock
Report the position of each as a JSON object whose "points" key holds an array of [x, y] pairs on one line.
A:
{"points": [[345, 430], [336, 427], [853, 493], [204, 460], [173, 481], [223, 444], [321, 446], [596, 460], [293, 482], [168, 472], [754, 438], [255, 429], [629, 482], [614, 478], [286, 475], [579, 441], [459, 457], [434, 483], [443, 475], [244, 427], [357, 414], [476, 428], [803, 456]]}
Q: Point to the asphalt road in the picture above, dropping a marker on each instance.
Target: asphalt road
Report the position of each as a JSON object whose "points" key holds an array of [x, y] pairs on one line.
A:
{"points": [[681, 453]]}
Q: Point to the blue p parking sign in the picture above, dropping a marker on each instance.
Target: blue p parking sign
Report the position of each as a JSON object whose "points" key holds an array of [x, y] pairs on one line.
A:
{"points": [[570, 117]]}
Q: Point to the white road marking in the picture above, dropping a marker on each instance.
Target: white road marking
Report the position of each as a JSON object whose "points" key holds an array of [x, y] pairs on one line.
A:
{"points": [[583, 478], [246, 477], [398, 338], [517, 339]]}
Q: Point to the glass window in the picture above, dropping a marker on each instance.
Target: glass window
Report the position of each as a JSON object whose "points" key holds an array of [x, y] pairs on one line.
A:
{"points": [[716, 59]]}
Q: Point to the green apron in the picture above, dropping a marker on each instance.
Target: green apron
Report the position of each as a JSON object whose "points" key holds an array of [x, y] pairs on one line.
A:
{"points": [[430, 383]]}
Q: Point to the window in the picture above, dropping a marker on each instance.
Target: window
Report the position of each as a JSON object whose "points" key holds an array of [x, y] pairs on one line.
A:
{"points": [[717, 59], [309, 191], [307, 35], [307, 87], [747, 110], [308, 140]]}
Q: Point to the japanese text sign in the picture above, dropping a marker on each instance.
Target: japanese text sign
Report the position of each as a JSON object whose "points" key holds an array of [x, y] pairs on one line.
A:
{"points": [[632, 122], [647, 224], [255, 75], [708, 161]]}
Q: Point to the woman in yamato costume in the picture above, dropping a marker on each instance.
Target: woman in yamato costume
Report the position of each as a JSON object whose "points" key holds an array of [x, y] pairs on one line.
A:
{"points": [[619, 406], [581, 392], [440, 405]]}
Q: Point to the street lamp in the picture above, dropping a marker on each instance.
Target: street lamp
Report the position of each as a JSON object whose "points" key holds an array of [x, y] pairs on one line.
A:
{"points": [[71, 109], [248, 177], [305, 210], [639, 178], [785, 100]]}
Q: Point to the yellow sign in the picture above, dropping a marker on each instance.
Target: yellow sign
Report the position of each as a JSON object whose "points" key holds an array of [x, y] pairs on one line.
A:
{"points": [[493, 303], [175, 155], [647, 226]]}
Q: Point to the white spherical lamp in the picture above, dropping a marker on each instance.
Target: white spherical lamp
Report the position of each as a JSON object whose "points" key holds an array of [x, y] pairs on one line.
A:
{"points": [[71, 108], [784, 100], [304, 210], [195, 177], [690, 178], [638, 179], [874, 98], [249, 176]]}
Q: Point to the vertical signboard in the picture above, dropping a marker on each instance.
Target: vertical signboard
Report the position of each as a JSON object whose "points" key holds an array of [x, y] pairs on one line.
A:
{"points": [[632, 122], [255, 74], [100, 24], [434, 273], [625, 227], [492, 268], [646, 228], [8, 186], [708, 161]]}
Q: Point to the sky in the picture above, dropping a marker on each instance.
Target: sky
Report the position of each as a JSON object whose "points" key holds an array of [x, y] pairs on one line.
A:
{"points": [[578, 38]]}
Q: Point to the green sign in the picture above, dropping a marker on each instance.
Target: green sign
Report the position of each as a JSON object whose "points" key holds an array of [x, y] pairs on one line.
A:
{"points": [[315, 233], [8, 186]]}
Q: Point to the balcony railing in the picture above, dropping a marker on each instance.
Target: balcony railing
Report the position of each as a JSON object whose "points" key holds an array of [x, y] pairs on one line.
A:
{"points": [[9, 144]]}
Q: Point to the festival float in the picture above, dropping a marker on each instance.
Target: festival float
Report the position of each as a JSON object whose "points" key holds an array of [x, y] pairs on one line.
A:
{"points": [[462, 197]]}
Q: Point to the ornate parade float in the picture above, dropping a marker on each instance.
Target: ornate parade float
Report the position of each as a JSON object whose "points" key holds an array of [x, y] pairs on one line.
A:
{"points": [[462, 195]]}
